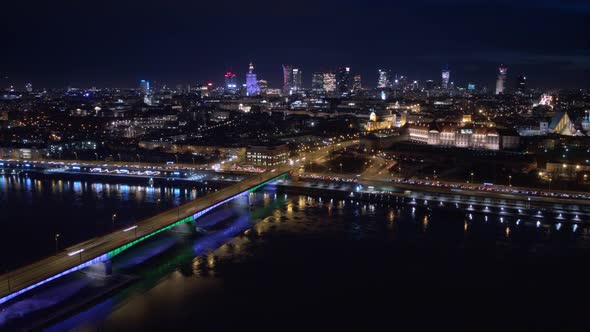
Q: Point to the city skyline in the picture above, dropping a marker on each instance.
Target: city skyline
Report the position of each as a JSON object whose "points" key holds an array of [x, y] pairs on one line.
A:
{"points": [[151, 41]]}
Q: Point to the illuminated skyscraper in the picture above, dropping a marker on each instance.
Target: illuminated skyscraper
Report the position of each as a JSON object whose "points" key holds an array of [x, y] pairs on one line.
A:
{"points": [[144, 87], [357, 84], [252, 88], [383, 81], [329, 82], [231, 84], [317, 82], [446, 76], [343, 80], [501, 82], [296, 86], [287, 79], [521, 83]]}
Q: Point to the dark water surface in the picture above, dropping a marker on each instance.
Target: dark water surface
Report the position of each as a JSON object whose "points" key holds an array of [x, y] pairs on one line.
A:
{"points": [[294, 262]]}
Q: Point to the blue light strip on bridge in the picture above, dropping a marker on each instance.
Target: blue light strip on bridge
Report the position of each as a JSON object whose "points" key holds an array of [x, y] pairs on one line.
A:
{"points": [[98, 259]]}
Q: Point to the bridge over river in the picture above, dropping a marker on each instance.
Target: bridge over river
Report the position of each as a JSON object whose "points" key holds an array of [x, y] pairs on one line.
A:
{"points": [[97, 252]]}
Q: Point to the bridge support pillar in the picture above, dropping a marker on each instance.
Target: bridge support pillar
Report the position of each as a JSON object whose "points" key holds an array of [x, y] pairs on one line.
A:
{"points": [[99, 270]]}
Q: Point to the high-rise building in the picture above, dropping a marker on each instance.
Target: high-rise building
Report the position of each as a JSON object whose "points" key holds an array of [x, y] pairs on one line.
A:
{"points": [[296, 85], [501, 81], [29, 87], [343, 80], [252, 88], [429, 85], [317, 82], [231, 84], [263, 85], [383, 81], [357, 84], [446, 76], [521, 83], [287, 79], [144, 87], [329, 82]]}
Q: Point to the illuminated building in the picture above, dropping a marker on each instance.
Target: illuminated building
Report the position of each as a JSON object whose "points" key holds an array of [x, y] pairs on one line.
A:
{"points": [[231, 84], [381, 121], [267, 155], [287, 79], [501, 81], [144, 87], [252, 88], [296, 86], [329, 82], [446, 76], [317, 82], [357, 84], [343, 81], [29, 87], [463, 136], [263, 85], [383, 81]]}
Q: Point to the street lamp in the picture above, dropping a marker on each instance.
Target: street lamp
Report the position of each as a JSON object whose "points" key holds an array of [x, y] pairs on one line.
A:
{"points": [[96, 155], [138, 158], [340, 167], [76, 154], [56, 243], [176, 156], [118, 154], [509, 180], [434, 175], [471, 175], [550, 179], [113, 225]]}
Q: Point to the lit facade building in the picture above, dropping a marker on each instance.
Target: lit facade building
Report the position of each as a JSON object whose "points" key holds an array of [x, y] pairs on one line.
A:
{"points": [[317, 82], [383, 81], [343, 81], [380, 120], [252, 88], [501, 81], [296, 86], [267, 155], [463, 136], [29, 87], [287, 79], [357, 84], [329, 82], [144, 87], [446, 77], [263, 85], [231, 83]]}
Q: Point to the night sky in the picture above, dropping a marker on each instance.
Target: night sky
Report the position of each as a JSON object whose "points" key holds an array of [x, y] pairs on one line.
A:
{"points": [[117, 43]]}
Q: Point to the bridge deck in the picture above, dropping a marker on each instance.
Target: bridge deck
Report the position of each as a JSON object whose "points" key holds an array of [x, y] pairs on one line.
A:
{"points": [[94, 250]]}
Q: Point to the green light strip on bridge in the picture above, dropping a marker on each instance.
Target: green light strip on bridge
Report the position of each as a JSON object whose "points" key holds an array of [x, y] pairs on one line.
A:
{"points": [[119, 250], [267, 182]]}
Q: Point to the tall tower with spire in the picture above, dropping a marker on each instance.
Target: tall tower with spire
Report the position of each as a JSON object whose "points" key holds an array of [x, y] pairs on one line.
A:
{"points": [[252, 88]]}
